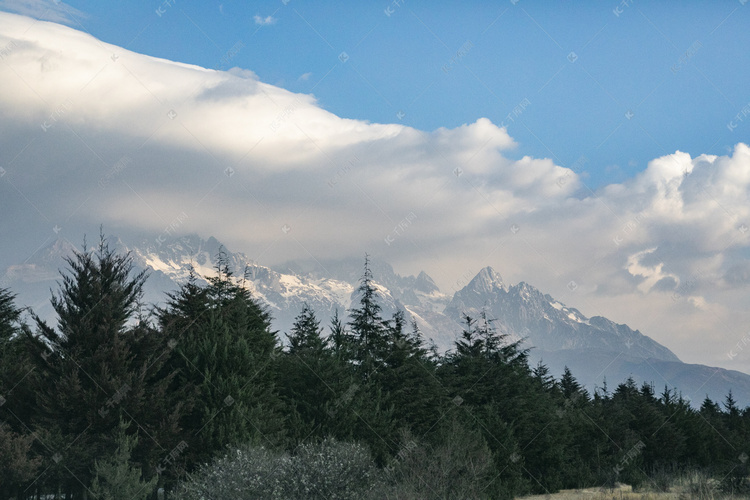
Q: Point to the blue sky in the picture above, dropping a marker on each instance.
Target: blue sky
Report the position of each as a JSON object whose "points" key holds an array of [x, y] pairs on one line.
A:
{"points": [[681, 69], [538, 138]]}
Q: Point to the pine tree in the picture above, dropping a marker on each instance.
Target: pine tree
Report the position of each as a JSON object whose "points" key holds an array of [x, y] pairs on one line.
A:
{"points": [[408, 379], [18, 378], [116, 478], [543, 378], [306, 335], [367, 327], [97, 365], [224, 351], [19, 466], [571, 389], [9, 316], [339, 339], [311, 378]]}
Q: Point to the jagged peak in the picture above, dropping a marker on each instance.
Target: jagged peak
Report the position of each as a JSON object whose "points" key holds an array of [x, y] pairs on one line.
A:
{"points": [[486, 280], [61, 246], [425, 283]]}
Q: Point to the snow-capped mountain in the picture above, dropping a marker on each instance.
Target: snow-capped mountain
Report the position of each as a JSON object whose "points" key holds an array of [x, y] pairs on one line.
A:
{"points": [[594, 348], [524, 312]]}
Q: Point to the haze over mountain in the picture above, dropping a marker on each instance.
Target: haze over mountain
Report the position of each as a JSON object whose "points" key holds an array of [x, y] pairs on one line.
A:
{"points": [[93, 133], [595, 349]]}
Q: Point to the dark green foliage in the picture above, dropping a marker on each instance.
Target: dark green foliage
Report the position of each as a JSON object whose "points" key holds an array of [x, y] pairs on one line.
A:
{"points": [[314, 379], [99, 365], [364, 411], [18, 465], [369, 334], [9, 315], [223, 355], [115, 476]]}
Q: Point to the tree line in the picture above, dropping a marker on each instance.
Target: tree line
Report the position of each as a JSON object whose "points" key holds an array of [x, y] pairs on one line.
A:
{"points": [[117, 400]]}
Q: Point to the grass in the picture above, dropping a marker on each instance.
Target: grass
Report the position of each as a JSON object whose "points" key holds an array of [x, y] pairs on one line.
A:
{"points": [[685, 487]]}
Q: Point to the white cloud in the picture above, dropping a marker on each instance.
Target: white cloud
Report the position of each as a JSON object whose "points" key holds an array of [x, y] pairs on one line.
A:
{"points": [[136, 142], [304, 77], [264, 21]]}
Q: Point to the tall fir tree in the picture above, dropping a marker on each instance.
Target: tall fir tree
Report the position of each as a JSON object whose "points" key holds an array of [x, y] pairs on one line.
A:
{"points": [[224, 351], [367, 327], [99, 365]]}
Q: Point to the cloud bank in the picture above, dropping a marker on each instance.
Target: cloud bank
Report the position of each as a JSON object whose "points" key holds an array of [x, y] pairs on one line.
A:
{"points": [[94, 134]]}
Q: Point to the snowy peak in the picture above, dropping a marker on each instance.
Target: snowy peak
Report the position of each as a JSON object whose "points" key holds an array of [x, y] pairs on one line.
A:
{"points": [[486, 281], [524, 312], [425, 284]]}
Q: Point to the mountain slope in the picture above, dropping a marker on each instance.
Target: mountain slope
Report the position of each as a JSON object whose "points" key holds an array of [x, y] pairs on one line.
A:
{"points": [[522, 311]]}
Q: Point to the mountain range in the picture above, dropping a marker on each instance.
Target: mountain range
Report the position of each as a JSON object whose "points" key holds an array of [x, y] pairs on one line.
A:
{"points": [[597, 350]]}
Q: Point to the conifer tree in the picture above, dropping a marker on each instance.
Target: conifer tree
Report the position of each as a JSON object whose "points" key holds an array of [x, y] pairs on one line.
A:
{"points": [[19, 465], [367, 327], [311, 378], [339, 339], [571, 388], [116, 478], [96, 366], [408, 379], [223, 352]]}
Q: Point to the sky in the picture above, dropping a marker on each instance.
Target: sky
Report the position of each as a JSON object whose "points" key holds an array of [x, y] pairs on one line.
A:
{"points": [[595, 150]]}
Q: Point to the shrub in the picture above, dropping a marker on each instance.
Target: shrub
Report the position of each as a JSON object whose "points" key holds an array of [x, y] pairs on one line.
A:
{"points": [[328, 470]]}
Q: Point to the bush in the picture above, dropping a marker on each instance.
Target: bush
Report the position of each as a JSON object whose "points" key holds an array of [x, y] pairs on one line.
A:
{"points": [[329, 470], [458, 466], [332, 470]]}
